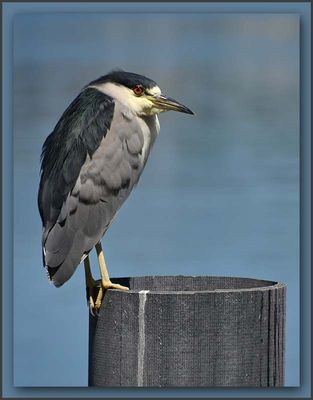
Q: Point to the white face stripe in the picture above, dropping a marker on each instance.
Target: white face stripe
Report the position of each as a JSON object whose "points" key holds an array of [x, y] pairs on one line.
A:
{"points": [[155, 91], [139, 105], [114, 90]]}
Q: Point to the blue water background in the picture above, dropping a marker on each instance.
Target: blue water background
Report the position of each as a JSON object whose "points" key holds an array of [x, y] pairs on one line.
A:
{"points": [[220, 193]]}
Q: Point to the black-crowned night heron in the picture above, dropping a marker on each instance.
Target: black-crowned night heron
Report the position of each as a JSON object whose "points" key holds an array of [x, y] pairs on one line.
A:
{"points": [[90, 163]]}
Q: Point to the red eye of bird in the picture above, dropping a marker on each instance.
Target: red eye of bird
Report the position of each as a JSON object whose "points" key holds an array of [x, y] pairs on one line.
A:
{"points": [[138, 90]]}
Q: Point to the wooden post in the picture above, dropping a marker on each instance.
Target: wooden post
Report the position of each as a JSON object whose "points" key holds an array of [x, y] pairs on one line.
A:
{"points": [[189, 331]]}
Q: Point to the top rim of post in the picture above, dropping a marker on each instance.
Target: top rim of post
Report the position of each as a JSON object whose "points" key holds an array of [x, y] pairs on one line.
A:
{"points": [[153, 284]]}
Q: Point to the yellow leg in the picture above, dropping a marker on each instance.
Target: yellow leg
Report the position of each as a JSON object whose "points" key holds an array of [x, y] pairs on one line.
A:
{"points": [[90, 285], [105, 279], [88, 275], [106, 283]]}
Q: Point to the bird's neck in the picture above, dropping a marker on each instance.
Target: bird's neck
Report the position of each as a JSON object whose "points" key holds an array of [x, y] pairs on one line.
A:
{"points": [[150, 128]]}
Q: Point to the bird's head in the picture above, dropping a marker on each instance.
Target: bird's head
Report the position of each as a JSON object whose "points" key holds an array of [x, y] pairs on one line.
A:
{"points": [[140, 94]]}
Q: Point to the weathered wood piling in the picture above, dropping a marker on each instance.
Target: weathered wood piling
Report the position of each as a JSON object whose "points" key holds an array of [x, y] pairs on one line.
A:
{"points": [[189, 331]]}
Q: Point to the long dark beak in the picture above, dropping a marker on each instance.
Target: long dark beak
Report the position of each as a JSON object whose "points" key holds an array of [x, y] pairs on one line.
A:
{"points": [[167, 103]]}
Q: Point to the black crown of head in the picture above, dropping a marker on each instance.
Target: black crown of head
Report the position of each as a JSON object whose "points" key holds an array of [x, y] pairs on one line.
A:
{"points": [[128, 79]]}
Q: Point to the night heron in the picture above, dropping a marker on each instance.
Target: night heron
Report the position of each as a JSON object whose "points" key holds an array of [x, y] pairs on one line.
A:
{"points": [[89, 165]]}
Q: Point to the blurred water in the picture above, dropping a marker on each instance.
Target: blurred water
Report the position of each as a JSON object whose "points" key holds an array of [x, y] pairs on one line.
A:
{"points": [[220, 193]]}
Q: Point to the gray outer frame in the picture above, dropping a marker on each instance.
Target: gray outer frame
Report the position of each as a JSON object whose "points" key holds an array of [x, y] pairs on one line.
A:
{"points": [[189, 331]]}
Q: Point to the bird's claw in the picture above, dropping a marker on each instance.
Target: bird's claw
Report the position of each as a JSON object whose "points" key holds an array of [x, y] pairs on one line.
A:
{"points": [[92, 298], [91, 310], [94, 311], [95, 295]]}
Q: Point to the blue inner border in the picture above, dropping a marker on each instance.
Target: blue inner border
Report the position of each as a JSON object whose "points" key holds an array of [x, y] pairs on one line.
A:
{"points": [[304, 11]]}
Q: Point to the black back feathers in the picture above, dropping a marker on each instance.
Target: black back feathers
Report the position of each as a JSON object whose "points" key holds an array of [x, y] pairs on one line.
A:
{"points": [[79, 131]]}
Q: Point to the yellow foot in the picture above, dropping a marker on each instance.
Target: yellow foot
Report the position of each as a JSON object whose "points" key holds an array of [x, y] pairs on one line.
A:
{"points": [[96, 295], [109, 285]]}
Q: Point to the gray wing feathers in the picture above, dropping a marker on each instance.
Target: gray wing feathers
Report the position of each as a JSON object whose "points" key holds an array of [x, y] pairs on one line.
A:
{"points": [[104, 182]]}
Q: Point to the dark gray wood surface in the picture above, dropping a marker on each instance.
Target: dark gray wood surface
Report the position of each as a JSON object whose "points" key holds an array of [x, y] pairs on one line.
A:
{"points": [[189, 331]]}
